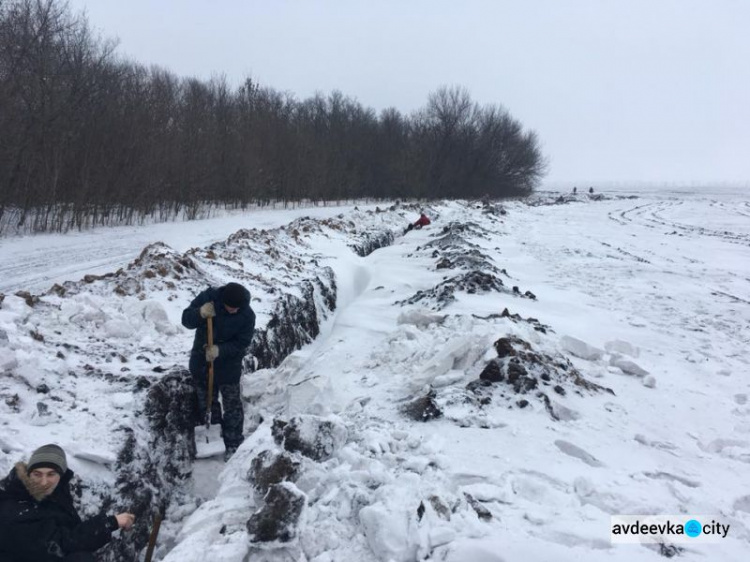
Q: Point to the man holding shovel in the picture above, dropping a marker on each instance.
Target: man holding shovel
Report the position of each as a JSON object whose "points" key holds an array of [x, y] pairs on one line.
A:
{"points": [[222, 314]]}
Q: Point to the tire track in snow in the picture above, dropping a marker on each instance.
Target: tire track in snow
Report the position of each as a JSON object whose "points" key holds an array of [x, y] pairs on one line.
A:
{"points": [[652, 215]]}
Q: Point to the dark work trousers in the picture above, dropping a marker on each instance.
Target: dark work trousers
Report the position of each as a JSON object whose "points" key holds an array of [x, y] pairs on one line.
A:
{"points": [[233, 420], [80, 557], [201, 389]]}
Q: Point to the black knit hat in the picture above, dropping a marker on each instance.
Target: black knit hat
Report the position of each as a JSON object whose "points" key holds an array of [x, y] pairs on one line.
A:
{"points": [[49, 456], [235, 295]]}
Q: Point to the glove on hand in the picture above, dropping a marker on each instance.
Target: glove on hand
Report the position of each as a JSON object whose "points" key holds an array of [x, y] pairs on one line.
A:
{"points": [[212, 352], [208, 310]]}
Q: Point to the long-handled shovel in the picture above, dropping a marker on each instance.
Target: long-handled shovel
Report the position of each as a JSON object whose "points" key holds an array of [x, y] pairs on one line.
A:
{"points": [[152, 538], [210, 397]]}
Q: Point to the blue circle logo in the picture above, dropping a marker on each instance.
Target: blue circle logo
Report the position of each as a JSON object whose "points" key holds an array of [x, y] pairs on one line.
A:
{"points": [[693, 528]]}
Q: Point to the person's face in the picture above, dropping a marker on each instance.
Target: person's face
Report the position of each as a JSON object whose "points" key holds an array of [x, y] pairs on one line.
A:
{"points": [[46, 478], [230, 309]]}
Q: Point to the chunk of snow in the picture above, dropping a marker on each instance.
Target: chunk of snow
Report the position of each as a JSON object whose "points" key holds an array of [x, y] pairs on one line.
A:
{"points": [[441, 535], [620, 346], [8, 445], [575, 451], [8, 360], [628, 367], [563, 413], [421, 318], [99, 457], [153, 312], [387, 533], [117, 328], [580, 348], [474, 551]]}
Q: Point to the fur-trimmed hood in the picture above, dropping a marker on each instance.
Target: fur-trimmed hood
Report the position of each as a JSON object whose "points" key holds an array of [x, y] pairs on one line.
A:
{"points": [[35, 490], [18, 482]]}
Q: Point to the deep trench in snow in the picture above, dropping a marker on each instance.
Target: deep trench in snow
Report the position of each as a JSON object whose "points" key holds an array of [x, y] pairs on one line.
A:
{"points": [[364, 314]]}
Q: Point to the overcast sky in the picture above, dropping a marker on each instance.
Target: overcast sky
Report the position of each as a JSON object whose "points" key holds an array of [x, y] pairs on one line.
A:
{"points": [[628, 90]]}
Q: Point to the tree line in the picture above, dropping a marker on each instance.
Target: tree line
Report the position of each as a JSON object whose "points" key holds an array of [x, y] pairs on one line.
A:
{"points": [[89, 138]]}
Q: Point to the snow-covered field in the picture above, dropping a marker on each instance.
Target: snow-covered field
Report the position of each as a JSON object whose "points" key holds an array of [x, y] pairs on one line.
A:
{"points": [[621, 374], [35, 262]]}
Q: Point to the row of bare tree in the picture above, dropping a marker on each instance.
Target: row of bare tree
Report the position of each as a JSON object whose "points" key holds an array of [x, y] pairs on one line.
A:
{"points": [[88, 138]]}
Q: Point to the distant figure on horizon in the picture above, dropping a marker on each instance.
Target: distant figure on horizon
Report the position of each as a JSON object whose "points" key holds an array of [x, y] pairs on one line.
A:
{"points": [[591, 190], [575, 189], [423, 220], [38, 521]]}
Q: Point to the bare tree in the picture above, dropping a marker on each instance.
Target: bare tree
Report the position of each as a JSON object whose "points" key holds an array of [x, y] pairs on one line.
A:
{"points": [[89, 138]]}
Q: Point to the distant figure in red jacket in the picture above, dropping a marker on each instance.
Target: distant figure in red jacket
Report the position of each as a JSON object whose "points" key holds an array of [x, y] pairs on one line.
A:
{"points": [[423, 220]]}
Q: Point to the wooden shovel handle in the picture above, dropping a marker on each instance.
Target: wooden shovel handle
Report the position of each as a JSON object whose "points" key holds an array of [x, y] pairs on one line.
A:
{"points": [[152, 538], [210, 397]]}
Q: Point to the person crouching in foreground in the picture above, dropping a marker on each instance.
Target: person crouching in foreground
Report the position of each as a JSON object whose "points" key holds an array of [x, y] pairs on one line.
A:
{"points": [[423, 220], [234, 323], [38, 522]]}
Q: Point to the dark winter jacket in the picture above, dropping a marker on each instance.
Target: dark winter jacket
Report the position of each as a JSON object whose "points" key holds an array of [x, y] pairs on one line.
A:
{"points": [[34, 528], [232, 333]]}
